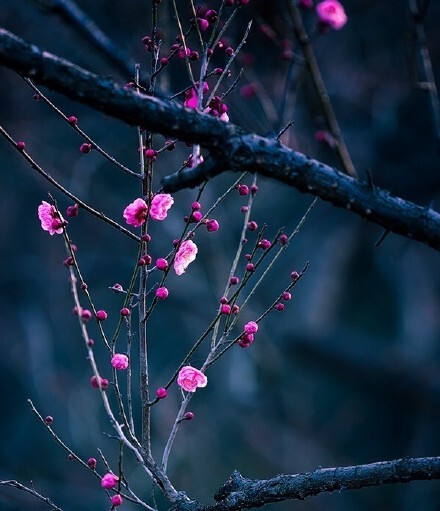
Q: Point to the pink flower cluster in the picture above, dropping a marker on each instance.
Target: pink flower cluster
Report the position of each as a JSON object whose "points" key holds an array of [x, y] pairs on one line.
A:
{"points": [[190, 379], [185, 255], [331, 13], [136, 213], [50, 220], [247, 338], [218, 109]]}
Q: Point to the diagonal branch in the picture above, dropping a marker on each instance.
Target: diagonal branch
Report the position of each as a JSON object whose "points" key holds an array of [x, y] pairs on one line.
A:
{"points": [[240, 493], [232, 147], [73, 15], [31, 491]]}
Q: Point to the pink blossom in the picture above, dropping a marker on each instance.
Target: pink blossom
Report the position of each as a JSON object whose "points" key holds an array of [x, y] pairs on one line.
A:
{"points": [[251, 327], [50, 219], [191, 99], [185, 255], [190, 378], [331, 13], [120, 361], [160, 205], [116, 500], [136, 212], [109, 481]]}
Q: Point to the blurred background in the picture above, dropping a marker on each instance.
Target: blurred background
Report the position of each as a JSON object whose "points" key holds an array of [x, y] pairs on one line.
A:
{"points": [[349, 373]]}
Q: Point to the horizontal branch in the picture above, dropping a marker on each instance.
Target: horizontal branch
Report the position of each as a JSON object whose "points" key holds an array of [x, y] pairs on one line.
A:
{"points": [[232, 147], [241, 493]]}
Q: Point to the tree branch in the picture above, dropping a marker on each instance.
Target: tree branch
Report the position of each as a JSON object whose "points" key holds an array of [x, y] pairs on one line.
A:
{"points": [[73, 15], [240, 493], [22, 487], [232, 147]]}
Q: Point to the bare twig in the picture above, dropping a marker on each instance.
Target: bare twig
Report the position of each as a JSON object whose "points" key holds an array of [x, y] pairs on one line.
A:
{"points": [[66, 192], [320, 87]]}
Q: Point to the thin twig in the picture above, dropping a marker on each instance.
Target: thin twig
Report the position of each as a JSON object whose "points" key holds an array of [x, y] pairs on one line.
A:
{"points": [[320, 87], [66, 192]]}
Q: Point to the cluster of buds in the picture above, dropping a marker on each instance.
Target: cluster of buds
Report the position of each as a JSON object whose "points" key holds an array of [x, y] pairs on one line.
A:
{"points": [[218, 109], [247, 337]]}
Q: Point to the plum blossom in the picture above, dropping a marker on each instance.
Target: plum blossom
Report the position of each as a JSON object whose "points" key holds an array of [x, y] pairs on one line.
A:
{"points": [[185, 255], [191, 99], [50, 220], [119, 361], [331, 13], [190, 379], [191, 96], [251, 327], [109, 481], [160, 204], [136, 212]]}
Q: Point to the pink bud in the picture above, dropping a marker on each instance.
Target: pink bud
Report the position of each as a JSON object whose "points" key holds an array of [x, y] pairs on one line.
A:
{"points": [[234, 280], [95, 385], [294, 275], [243, 190], [203, 24], [279, 307], [195, 206], [91, 462], [189, 416], [162, 293], [235, 309], [223, 300], [116, 500], [85, 148], [161, 264], [72, 120], [161, 393], [250, 267], [254, 189], [150, 154], [101, 315], [264, 244], [252, 226], [225, 309], [287, 296], [211, 16], [86, 315], [196, 216], [21, 145], [109, 481], [48, 420], [72, 211], [212, 225], [125, 312], [283, 239], [146, 237]]}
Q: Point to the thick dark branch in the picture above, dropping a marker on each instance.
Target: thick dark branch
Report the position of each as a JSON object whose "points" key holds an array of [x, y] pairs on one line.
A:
{"points": [[231, 146], [240, 493]]}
